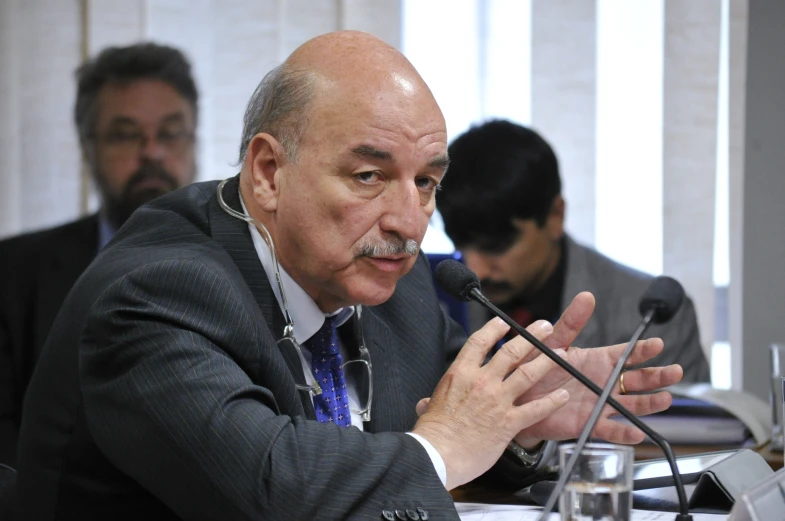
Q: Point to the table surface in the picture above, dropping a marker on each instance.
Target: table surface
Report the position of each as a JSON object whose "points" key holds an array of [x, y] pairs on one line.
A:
{"points": [[472, 493]]}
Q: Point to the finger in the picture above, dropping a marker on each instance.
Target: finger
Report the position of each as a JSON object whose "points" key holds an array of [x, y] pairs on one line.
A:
{"points": [[512, 353], [539, 409], [652, 378], [480, 343], [526, 375], [572, 321], [422, 406], [616, 432], [643, 404], [644, 350]]}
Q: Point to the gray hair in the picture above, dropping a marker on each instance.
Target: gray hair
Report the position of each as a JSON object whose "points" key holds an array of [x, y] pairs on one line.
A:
{"points": [[278, 107]]}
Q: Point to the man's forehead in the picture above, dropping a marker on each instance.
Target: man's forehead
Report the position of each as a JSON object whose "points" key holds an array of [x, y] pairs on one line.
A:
{"points": [[437, 159], [142, 101]]}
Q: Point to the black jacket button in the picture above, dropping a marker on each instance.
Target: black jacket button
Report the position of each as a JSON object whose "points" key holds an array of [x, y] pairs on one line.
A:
{"points": [[400, 514], [423, 514], [413, 515], [388, 515]]}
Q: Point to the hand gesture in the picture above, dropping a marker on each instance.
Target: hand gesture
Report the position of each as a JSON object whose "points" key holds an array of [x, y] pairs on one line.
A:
{"points": [[476, 409], [596, 364]]}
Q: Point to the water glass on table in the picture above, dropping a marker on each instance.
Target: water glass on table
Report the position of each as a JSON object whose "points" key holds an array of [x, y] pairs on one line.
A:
{"points": [[600, 485]]}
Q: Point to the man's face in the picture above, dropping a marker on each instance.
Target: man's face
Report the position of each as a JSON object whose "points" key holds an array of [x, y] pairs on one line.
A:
{"points": [[521, 269], [142, 146], [351, 212]]}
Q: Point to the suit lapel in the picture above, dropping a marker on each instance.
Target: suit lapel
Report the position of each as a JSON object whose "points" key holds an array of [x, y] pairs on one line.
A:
{"points": [[68, 256], [387, 413], [233, 234]]}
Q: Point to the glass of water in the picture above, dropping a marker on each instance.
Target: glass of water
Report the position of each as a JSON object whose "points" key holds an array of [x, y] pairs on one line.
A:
{"points": [[777, 365], [600, 486]]}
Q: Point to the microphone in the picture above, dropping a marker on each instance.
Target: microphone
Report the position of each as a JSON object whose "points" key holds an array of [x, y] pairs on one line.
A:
{"points": [[462, 283], [659, 303]]}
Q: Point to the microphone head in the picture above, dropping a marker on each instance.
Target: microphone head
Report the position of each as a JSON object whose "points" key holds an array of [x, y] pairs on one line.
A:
{"points": [[665, 295], [456, 279]]}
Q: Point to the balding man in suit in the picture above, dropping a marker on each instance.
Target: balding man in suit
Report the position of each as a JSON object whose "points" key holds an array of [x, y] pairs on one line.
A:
{"points": [[271, 347]]}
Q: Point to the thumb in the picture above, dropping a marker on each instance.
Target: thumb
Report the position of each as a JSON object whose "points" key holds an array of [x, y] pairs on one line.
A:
{"points": [[422, 406]]}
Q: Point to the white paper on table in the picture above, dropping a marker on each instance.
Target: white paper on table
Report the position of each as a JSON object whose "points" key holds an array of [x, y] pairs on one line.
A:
{"points": [[483, 512]]}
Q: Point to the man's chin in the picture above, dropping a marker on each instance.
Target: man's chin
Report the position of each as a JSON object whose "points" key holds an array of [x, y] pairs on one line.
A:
{"points": [[374, 296]]}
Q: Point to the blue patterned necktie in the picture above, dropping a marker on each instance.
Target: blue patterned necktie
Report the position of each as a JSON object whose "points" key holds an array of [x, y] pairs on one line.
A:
{"points": [[333, 404]]}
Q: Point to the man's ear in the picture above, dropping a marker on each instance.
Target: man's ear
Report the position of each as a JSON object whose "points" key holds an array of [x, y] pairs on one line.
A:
{"points": [[265, 158], [555, 223]]}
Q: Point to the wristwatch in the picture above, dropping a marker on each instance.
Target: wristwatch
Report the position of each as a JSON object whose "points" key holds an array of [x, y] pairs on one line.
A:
{"points": [[530, 457]]}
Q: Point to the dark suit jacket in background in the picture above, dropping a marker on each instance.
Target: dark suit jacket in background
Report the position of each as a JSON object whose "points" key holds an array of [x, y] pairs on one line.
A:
{"points": [[617, 289], [162, 393], [36, 272]]}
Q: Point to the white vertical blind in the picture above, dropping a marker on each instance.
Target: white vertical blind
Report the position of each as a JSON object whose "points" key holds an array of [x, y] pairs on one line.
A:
{"points": [[447, 55], [505, 59], [629, 132]]}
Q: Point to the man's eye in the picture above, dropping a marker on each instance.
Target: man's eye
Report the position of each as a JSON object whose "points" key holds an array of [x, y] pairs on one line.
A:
{"points": [[166, 136], [426, 183], [122, 137], [367, 177]]}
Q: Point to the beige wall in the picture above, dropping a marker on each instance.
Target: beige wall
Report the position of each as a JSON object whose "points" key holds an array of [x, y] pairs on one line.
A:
{"points": [[564, 78]]}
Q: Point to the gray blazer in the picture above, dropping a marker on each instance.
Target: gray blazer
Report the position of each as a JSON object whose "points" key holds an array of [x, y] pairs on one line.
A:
{"points": [[161, 392], [617, 290]]}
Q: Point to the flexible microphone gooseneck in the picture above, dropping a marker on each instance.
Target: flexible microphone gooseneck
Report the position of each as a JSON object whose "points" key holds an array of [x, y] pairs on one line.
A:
{"points": [[462, 283], [659, 303]]}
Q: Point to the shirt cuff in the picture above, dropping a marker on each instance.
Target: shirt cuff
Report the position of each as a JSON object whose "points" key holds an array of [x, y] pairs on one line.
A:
{"points": [[436, 458]]}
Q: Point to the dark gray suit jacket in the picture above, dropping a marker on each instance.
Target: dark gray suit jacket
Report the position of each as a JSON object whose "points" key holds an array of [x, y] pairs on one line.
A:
{"points": [[617, 289], [162, 393], [36, 272]]}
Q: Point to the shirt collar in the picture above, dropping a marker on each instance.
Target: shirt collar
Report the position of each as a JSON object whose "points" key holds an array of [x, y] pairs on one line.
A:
{"points": [[306, 315]]}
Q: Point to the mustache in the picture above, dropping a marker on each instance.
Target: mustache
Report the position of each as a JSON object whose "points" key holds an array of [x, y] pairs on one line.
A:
{"points": [[119, 208], [494, 285], [393, 245], [149, 170]]}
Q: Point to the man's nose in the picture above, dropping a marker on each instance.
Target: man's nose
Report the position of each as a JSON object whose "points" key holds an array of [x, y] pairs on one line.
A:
{"points": [[404, 213], [152, 148]]}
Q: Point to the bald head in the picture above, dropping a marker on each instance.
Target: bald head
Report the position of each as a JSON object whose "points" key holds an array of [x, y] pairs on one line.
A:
{"points": [[343, 171], [341, 69], [351, 56]]}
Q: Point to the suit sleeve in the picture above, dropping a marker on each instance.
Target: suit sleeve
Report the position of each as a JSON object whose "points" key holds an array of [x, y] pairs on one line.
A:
{"points": [[169, 404]]}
